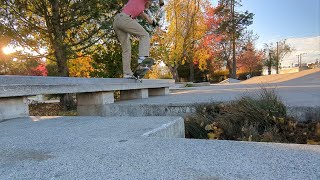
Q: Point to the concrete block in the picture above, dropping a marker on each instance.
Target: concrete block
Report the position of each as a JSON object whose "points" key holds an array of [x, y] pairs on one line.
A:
{"points": [[91, 104], [172, 129], [158, 91], [95, 98], [13, 107], [134, 94]]}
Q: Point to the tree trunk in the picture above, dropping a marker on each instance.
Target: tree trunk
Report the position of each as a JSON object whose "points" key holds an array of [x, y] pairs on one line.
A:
{"points": [[60, 51], [229, 67], [59, 47], [191, 66], [174, 72]]}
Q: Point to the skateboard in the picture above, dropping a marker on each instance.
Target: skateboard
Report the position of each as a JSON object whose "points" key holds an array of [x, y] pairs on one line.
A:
{"points": [[143, 69]]}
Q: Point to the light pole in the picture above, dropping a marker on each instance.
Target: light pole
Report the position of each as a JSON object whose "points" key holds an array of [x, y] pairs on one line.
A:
{"points": [[298, 60], [269, 64], [234, 63], [277, 57]]}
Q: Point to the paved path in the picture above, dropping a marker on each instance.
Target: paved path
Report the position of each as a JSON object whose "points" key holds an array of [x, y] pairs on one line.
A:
{"points": [[114, 148], [302, 91]]}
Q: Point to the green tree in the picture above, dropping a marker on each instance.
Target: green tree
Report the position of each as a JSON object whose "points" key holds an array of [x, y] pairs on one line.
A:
{"points": [[231, 25], [62, 27], [276, 53]]}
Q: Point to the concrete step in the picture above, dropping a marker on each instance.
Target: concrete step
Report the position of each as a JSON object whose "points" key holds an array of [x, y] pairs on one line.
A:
{"points": [[302, 101], [140, 148]]}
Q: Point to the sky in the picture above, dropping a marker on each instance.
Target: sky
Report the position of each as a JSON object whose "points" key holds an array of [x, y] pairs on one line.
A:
{"points": [[276, 20], [308, 47], [297, 21]]}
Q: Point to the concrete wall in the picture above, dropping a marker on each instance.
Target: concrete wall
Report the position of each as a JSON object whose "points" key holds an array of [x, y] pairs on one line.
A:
{"points": [[136, 110], [304, 113]]}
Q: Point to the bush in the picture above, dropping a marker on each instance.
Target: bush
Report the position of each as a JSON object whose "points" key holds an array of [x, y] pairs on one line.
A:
{"points": [[259, 117], [219, 76], [195, 124], [251, 116]]}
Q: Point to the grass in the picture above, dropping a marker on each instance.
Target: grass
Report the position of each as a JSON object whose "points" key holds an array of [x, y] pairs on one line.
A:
{"points": [[259, 117]]}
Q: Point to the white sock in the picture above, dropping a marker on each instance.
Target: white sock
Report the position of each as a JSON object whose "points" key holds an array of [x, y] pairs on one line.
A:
{"points": [[141, 58]]}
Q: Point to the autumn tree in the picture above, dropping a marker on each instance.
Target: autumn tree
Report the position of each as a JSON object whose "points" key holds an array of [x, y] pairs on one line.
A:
{"points": [[250, 59], [186, 28], [81, 66], [215, 43], [228, 25]]}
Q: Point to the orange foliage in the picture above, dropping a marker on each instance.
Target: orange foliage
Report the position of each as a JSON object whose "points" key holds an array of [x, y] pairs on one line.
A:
{"points": [[250, 59], [80, 67]]}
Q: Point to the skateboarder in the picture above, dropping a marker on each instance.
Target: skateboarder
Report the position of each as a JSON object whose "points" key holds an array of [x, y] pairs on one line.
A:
{"points": [[125, 24]]}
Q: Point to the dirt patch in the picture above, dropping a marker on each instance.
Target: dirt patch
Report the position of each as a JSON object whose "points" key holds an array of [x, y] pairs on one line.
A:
{"points": [[50, 109]]}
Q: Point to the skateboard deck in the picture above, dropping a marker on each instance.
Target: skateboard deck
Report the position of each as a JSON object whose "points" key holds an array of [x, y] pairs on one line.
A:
{"points": [[143, 68]]}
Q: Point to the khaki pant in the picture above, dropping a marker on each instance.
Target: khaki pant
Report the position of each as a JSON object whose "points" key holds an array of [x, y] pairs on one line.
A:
{"points": [[124, 25]]}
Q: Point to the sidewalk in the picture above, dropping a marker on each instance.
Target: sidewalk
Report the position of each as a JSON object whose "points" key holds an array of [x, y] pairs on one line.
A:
{"points": [[115, 148]]}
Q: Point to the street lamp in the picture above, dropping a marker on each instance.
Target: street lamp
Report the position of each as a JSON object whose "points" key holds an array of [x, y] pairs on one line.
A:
{"points": [[277, 57]]}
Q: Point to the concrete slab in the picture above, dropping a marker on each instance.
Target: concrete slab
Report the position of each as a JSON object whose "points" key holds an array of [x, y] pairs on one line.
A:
{"points": [[36, 89], [300, 95], [49, 80], [294, 96], [114, 148]]}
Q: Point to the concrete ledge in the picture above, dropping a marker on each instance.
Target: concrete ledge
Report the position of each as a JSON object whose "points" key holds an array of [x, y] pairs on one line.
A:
{"points": [[136, 110], [30, 90], [173, 129], [301, 113], [304, 113], [12, 86], [49, 80], [93, 93]]}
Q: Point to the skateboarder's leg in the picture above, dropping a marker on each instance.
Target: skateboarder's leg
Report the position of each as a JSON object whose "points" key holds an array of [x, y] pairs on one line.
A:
{"points": [[124, 38], [134, 28], [125, 25]]}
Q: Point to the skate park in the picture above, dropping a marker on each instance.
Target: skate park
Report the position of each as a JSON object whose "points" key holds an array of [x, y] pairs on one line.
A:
{"points": [[129, 141]]}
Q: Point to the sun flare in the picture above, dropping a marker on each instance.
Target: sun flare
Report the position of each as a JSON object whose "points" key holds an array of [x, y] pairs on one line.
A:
{"points": [[8, 50]]}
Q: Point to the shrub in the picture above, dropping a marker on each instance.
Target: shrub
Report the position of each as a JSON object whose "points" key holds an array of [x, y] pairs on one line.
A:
{"points": [[257, 117], [251, 116]]}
